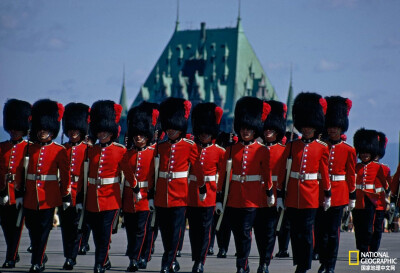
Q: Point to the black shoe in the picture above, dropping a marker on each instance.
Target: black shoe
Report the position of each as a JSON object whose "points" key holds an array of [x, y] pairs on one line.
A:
{"points": [[221, 253], [282, 254], [164, 270], [107, 265], [142, 263], [175, 267], [242, 270], [178, 253], [98, 268], [133, 266], [300, 270], [17, 258], [69, 264], [9, 264], [83, 250], [322, 268], [329, 270], [263, 268], [29, 249], [45, 259], [152, 250], [35, 268], [210, 251], [198, 268], [315, 257]]}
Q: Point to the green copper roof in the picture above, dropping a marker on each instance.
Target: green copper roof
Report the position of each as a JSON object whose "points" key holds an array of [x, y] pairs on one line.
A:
{"points": [[207, 65], [289, 104], [124, 103]]}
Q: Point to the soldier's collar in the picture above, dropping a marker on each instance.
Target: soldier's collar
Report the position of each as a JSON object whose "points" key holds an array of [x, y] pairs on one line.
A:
{"points": [[16, 141], [75, 143], [174, 141], [247, 142], [308, 140], [141, 149], [271, 143], [106, 144], [334, 142], [202, 145], [46, 143]]}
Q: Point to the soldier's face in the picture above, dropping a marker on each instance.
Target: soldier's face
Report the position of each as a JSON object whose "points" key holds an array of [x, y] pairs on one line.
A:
{"points": [[140, 141], [173, 134], [307, 132], [44, 136], [270, 135], [247, 134], [15, 135], [334, 133], [104, 137], [205, 138], [365, 157], [74, 135]]}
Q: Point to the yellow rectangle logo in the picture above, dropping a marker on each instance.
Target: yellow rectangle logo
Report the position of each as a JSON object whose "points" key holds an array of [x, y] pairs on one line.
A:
{"points": [[356, 252]]}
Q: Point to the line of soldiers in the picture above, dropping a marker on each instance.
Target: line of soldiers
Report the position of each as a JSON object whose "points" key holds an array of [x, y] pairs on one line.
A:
{"points": [[158, 183]]}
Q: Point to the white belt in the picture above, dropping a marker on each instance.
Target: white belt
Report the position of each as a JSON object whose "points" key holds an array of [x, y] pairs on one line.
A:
{"points": [[338, 177], [247, 178], [173, 175], [304, 176], [141, 184], [104, 181], [42, 177], [365, 187], [274, 178], [379, 189], [9, 177], [207, 178]]}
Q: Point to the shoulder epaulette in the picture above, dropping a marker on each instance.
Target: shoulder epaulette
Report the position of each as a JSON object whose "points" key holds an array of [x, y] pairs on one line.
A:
{"points": [[262, 144], [280, 144], [188, 141], [348, 144], [151, 148], [222, 148], [119, 145], [321, 142], [59, 144]]}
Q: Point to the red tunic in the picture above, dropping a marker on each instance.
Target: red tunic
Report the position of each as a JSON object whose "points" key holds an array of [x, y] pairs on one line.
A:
{"points": [[342, 163], [250, 168], [309, 160], [394, 186], [105, 165], [381, 204], [11, 167], [142, 164], [205, 171], [76, 154], [172, 183], [48, 176], [367, 176], [276, 152]]}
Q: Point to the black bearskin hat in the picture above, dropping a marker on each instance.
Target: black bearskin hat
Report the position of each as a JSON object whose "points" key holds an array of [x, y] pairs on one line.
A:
{"points": [[142, 120], [104, 117], [206, 118], [276, 120], [382, 144], [76, 117], [17, 115], [337, 112], [250, 113], [308, 111], [46, 115], [174, 114], [366, 141]]}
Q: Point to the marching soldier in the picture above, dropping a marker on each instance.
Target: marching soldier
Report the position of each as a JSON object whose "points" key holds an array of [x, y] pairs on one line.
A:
{"points": [[16, 119], [141, 125], [383, 198], [341, 164], [103, 199], [170, 191], [45, 189], [250, 167], [370, 178], [309, 157], [266, 216], [206, 118], [75, 127]]}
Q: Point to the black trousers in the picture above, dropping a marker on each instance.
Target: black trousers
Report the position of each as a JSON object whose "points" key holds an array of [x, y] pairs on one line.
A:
{"points": [[363, 220], [170, 224], [200, 223], [136, 231], [149, 238], [12, 234], [223, 234], [39, 224], [69, 220], [378, 230], [101, 225], [242, 221], [182, 237], [329, 235], [301, 235], [264, 231], [284, 234]]}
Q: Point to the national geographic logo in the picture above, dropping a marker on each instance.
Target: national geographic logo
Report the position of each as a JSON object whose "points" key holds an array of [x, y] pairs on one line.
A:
{"points": [[372, 261]]}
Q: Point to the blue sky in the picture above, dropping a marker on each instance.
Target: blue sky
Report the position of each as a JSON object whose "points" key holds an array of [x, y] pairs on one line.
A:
{"points": [[76, 50]]}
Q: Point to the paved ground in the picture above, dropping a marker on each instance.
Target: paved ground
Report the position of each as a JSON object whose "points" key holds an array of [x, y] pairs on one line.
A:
{"points": [[390, 243]]}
